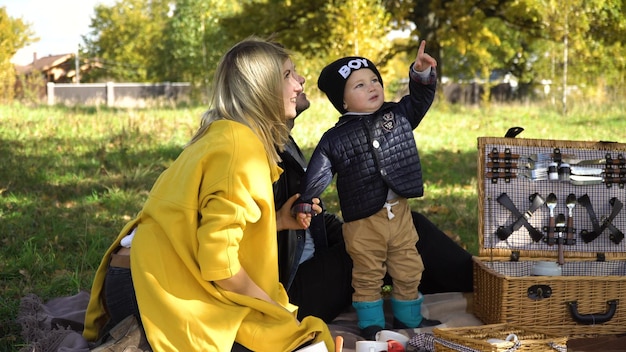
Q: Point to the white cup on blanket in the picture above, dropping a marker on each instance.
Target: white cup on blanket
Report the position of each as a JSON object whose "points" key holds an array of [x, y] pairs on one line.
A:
{"points": [[371, 346], [316, 347], [386, 335]]}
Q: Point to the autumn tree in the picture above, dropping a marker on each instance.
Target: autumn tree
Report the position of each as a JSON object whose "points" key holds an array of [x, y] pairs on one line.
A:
{"points": [[318, 30], [125, 38], [192, 42], [471, 39], [583, 43], [14, 35]]}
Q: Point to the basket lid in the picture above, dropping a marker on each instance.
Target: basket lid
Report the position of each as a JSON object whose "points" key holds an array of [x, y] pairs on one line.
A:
{"points": [[551, 198]]}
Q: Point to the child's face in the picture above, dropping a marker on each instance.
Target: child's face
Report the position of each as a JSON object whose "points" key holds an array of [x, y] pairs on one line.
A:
{"points": [[363, 92]]}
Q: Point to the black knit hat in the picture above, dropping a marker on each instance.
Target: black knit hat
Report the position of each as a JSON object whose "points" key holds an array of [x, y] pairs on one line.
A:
{"points": [[333, 78]]}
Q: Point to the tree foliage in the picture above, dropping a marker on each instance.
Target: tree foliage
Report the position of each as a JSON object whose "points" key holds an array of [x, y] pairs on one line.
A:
{"points": [[575, 41], [124, 39], [319, 30], [192, 42], [14, 35], [530, 39], [582, 45]]}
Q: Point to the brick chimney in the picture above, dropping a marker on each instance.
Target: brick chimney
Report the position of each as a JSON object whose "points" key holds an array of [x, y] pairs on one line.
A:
{"points": [[34, 56]]}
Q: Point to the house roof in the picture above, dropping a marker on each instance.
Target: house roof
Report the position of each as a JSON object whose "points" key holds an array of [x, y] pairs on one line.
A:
{"points": [[44, 64]]}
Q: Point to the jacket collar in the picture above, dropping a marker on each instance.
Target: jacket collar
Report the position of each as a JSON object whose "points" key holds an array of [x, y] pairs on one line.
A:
{"points": [[293, 154], [350, 116]]}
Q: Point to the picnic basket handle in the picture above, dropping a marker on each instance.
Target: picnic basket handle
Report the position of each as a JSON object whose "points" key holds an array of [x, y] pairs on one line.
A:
{"points": [[590, 319]]}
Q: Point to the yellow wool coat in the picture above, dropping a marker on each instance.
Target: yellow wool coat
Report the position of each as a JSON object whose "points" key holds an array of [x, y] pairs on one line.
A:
{"points": [[208, 215]]}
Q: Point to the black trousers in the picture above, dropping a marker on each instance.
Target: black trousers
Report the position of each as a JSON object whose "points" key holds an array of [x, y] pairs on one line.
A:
{"points": [[448, 267], [322, 285], [119, 295]]}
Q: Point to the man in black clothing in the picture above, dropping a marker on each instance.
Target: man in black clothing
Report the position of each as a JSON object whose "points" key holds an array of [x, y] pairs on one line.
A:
{"points": [[315, 268]]}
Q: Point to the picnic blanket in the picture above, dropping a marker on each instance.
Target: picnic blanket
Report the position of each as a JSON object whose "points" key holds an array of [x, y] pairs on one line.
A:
{"points": [[56, 325], [452, 309]]}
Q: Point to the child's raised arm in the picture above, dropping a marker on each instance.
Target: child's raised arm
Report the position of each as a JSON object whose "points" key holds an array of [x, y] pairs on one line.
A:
{"points": [[423, 60]]}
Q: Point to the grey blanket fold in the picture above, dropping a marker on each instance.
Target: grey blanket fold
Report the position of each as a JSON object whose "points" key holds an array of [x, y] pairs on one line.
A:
{"points": [[54, 326]]}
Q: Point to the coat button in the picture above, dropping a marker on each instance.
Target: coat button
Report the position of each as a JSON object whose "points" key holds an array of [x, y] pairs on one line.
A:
{"points": [[376, 144], [383, 172]]}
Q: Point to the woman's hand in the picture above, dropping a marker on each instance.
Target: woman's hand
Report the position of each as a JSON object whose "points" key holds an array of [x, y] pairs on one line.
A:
{"points": [[242, 284], [286, 221]]}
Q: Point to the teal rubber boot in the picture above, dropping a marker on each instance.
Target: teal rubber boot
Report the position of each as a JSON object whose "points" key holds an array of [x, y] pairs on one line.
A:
{"points": [[408, 314], [371, 318]]}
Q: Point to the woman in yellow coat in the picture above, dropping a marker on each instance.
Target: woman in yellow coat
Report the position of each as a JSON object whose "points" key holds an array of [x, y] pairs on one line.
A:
{"points": [[202, 251]]}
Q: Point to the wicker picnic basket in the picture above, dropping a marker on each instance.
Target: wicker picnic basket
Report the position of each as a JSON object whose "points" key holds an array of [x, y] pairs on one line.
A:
{"points": [[517, 232], [475, 339]]}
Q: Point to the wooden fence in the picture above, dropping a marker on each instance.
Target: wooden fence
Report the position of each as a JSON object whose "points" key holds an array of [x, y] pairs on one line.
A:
{"points": [[118, 94]]}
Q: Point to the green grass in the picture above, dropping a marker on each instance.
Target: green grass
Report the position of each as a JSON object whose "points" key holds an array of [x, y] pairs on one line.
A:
{"points": [[70, 178]]}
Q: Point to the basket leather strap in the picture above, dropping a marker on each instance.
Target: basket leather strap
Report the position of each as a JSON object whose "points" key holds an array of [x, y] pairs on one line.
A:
{"points": [[589, 236], [522, 219], [616, 235]]}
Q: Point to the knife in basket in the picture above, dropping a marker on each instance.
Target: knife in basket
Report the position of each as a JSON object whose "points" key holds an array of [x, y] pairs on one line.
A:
{"points": [[583, 162], [570, 202], [560, 225], [501, 165], [495, 155], [551, 203]]}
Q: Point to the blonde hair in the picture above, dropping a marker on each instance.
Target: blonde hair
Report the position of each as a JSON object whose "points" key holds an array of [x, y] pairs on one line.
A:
{"points": [[248, 88]]}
